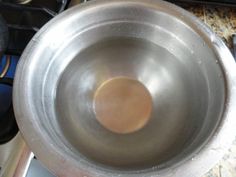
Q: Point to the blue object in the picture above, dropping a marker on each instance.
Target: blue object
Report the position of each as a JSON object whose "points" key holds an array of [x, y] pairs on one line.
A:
{"points": [[6, 91]]}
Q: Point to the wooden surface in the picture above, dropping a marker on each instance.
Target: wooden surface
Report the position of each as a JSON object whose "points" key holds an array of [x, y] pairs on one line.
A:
{"points": [[222, 20]]}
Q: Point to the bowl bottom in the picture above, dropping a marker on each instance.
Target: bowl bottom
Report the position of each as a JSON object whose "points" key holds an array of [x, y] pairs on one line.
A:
{"points": [[129, 103]]}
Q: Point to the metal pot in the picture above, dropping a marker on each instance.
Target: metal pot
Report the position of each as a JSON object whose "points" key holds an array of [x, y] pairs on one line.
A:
{"points": [[126, 88]]}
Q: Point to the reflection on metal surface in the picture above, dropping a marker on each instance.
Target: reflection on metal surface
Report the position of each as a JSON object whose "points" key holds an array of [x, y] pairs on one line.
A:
{"points": [[76, 2], [234, 46], [24, 162], [18, 1], [6, 67], [23, 1], [15, 157]]}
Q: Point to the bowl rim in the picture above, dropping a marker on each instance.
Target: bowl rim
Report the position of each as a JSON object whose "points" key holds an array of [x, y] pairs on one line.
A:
{"points": [[61, 165]]}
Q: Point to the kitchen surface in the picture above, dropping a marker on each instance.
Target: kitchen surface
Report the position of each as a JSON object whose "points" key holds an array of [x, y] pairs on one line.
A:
{"points": [[221, 19]]}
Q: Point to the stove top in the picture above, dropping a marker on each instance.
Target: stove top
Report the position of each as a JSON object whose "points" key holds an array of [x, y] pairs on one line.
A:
{"points": [[25, 17], [19, 21]]}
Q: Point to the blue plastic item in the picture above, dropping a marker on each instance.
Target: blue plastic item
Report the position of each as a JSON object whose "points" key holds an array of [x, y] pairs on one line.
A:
{"points": [[6, 91]]}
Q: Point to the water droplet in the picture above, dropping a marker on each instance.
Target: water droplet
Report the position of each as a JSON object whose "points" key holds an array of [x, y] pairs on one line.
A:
{"points": [[217, 61], [212, 38]]}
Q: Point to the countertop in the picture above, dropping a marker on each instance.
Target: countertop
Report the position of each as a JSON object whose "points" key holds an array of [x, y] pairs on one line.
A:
{"points": [[222, 20]]}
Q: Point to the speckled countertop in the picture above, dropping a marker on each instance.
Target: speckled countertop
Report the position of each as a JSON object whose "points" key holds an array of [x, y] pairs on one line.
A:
{"points": [[222, 20]]}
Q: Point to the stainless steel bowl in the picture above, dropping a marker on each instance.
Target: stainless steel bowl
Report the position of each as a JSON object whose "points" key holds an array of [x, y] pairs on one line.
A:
{"points": [[126, 88]]}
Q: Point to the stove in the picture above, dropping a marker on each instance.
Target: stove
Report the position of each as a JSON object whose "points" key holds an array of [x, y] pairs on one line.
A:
{"points": [[19, 21]]}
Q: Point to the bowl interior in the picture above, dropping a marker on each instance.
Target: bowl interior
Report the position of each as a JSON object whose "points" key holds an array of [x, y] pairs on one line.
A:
{"points": [[179, 102], [131, 91]]}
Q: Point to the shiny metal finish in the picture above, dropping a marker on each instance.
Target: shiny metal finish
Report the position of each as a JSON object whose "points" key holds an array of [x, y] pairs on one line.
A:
{"points": [[15, 157], [19, 1], [61, 96], [75, 2], [6, 67], [23, 1]]}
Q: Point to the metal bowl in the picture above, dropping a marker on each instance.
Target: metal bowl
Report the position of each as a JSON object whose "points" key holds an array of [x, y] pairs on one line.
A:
{"points": [[126, 88]]}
